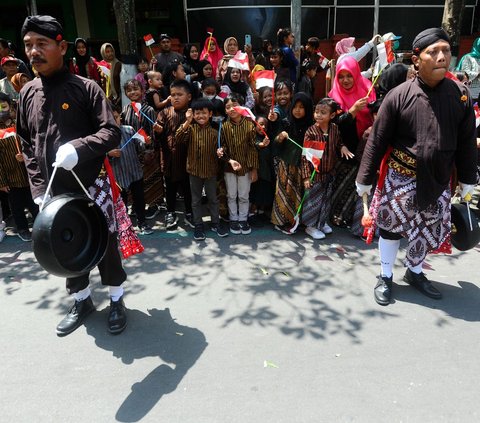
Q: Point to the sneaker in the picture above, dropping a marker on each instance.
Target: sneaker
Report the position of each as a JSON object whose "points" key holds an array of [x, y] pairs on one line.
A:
{"points": [[314, 232], [152, 212], [199, 233], [284, 229], [171, 220], [327, 229], [25, 235], [188, 219], [235, 227], [245, 228], [220, 229], [144, 229]]}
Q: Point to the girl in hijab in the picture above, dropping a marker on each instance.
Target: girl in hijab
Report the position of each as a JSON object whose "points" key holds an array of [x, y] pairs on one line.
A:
{"points": [[232, 83], [352, 92], [19, 80], [108, 54], [470, 64], [212, 53], [289, 186], [230, 46], [191, 62], [390, 78], [82, 63]]}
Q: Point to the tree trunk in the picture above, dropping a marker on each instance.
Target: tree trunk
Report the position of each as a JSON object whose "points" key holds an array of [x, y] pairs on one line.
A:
{"points": [[452, 21], [127, 38]]}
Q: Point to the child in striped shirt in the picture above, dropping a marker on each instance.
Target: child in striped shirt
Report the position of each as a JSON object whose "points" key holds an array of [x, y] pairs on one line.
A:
{"points": [[238, 143]]}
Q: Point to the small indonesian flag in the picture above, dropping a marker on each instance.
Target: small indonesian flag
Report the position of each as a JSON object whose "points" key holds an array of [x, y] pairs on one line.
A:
{"points": [[245, 111], [322, 60], [148, 40], [209, 31], [239, 61], [477, 114], [142, 135], [265, 78], [385, 53], [8, 132], [313, 151], [136, 108], [104, 67]]}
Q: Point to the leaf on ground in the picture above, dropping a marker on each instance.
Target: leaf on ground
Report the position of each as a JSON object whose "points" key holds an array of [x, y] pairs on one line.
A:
{"points": [[267, 363]]}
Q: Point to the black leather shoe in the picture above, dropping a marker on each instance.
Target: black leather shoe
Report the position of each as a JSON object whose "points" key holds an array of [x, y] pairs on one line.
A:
{"points": [[420, 282], [75, 317], [383, 290], [117, 317]]}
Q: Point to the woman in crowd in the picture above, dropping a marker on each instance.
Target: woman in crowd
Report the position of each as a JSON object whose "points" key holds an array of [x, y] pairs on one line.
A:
{"points": [[191, 62], [113, 82], [232, 83], [230, 46], [211, 52], [470, 64], [82, 63], [352, 92]]}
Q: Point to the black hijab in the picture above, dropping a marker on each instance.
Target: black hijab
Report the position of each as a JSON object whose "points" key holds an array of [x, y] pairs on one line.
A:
{"points": [[392, 77], [301, 125], [81, 61], [193, 65], [239, 87]]}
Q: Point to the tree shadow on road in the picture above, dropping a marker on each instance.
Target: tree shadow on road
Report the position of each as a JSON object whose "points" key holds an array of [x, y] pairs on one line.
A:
{"points": [[152, 334]]}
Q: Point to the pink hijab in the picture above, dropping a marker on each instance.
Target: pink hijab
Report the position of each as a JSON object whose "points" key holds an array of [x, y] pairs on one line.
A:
{"points": [[214, 57], [347, 98], [343, 45]]}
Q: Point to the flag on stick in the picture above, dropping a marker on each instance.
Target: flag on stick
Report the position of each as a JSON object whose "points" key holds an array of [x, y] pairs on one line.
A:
{"points": [[265, 78], [104, 67], [148, 42], [313, 152], [239, 61], [385, 53], [245, 111], [136, 108], [477, 114], [209, 32], [322, 60]]}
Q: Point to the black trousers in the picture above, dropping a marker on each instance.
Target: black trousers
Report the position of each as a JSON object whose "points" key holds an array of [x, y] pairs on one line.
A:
{"points": [[138, 198], [19, 200], [110, 267], [172, 188]]}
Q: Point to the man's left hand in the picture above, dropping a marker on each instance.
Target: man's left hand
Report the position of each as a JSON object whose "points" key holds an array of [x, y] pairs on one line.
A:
{"points": [[66, 157]]}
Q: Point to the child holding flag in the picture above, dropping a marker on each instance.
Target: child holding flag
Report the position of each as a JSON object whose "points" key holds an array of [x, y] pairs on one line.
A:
{"points": [[128, 170], [238, 145], [320, 146]]}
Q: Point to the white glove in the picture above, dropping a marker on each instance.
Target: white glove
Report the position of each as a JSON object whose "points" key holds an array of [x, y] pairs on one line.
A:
{"points": [[363, 189], [466, 191], [66, 157], [39, 200]]}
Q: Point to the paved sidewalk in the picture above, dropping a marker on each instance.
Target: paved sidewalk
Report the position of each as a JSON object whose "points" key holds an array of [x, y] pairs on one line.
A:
{"points": [[257, 328]]}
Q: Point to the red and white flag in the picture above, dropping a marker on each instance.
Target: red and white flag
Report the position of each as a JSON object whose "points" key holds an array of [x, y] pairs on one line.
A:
{"points": [[104, 67], [313, 152], [264, 78], [141, 135], [245, 111], [148, 40], [385, 53], [322, 60], [8, 132], [239, 61], [477, 114], [136, 108]]}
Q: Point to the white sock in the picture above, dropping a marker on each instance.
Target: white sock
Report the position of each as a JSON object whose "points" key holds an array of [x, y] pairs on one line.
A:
{"points": [[82, 295], [416, 269], [388, 253], [115, 292]]}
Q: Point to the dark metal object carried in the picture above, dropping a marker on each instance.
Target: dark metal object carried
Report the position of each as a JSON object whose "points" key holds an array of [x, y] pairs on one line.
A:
{"points": [[465, 227]]}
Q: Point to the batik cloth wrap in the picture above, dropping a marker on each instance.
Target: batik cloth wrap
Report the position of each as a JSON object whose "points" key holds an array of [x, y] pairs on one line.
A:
{"points": [[394, 209], [316, 209]]}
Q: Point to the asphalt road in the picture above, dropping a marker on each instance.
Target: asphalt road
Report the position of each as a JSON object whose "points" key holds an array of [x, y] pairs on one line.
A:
{"points": [[249, 328]]}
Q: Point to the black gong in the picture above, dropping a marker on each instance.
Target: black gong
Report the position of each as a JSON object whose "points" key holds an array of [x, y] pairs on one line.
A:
{"points": [[464, 238], [70, 235]]}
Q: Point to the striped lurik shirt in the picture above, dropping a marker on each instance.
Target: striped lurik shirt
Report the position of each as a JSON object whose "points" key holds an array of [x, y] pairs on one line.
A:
{"points": [[330, 155], [12, 172], [202, 160], [127, 168], [238, 142], [174, 158]]}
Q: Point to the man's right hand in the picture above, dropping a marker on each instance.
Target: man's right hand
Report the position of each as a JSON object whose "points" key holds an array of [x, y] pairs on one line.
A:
{"points": [[39, 200], [363, 189]]}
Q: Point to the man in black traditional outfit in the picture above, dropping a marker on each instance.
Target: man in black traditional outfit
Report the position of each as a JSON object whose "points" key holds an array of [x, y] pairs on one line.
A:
{"points": [[425, 127], [66, 121]]}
